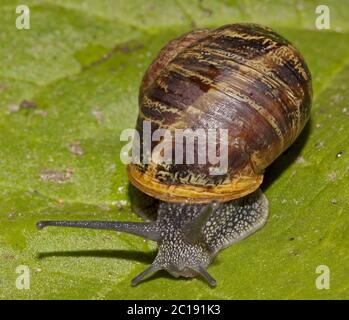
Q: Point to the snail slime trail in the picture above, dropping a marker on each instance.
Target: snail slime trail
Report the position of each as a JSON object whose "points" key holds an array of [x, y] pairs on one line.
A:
{"points": [[251, 87], [190, 147]]}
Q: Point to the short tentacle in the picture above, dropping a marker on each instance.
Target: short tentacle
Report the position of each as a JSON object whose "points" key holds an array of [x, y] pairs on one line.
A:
{"points": [[143, 274], [204, 273]]}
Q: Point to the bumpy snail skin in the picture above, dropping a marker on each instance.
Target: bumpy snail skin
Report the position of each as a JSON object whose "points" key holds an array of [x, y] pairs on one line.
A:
{"points": [[189, 235]]}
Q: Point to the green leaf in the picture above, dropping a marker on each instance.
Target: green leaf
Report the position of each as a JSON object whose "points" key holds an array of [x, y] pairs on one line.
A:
{"points": [[69, 86]]}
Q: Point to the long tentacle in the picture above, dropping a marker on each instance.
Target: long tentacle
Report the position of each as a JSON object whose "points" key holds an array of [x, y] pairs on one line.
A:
{"points": [[193, 229], [148, 230]]}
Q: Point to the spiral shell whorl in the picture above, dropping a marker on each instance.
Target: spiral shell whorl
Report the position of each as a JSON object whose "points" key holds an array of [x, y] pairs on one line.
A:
{"points": [[242, 77]]}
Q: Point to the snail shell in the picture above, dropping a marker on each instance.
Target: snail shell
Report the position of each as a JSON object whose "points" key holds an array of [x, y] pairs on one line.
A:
{"points": [[241, 77]]}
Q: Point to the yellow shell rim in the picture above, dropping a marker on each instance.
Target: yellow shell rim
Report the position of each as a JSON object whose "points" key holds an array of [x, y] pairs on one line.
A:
{"points": [[239, 187]]}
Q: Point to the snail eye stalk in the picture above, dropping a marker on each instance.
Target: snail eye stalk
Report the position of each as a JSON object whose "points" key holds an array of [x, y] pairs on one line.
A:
{"points": [[193, 230], [147, 230]]}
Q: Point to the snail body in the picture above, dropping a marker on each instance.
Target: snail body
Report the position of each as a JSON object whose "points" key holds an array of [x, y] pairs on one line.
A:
{"points": [[245, 79]]}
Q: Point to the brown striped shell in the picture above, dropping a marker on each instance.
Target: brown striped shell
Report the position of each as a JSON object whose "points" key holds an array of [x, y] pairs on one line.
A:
{"points": [[241, 77]]}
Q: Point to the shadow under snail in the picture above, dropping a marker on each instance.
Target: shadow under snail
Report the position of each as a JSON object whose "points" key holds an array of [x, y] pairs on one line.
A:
{"points": [[241, 77]]}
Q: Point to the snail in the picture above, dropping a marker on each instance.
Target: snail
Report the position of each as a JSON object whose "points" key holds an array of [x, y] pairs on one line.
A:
{"points": [[244, 78]]}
